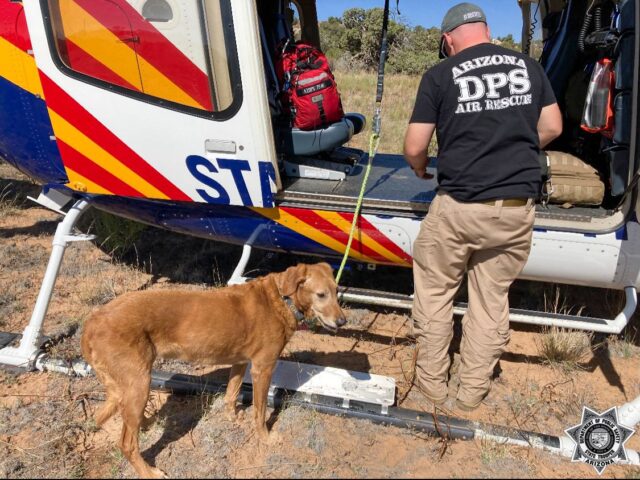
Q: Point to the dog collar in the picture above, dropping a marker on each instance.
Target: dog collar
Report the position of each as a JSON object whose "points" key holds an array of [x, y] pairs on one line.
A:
{"points": [[296, 313]]}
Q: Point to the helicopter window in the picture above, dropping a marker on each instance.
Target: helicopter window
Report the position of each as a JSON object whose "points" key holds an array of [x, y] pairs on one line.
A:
{"points": [[157, 11], [181, 60], [294, 20]]}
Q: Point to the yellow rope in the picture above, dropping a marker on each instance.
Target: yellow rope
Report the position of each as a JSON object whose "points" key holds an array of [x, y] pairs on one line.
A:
{"points": [[374, 142]]}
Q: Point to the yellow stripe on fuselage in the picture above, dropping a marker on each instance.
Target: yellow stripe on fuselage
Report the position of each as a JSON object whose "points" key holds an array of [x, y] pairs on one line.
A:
{"points": [[19, 68], [287, 220], [82, 184], [98, 42], [156, 84], [344, 225], [105, 47], [77, 140]]}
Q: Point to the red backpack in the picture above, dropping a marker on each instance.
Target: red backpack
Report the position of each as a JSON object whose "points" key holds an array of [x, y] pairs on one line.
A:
{"points": [[309, 91]]}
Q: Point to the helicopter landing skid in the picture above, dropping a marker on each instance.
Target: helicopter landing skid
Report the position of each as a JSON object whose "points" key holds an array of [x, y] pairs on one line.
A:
{"points": [[26, 354]]}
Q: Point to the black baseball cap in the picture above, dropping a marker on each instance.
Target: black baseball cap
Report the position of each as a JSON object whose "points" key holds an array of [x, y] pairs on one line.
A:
{"points": [[459, 15]]}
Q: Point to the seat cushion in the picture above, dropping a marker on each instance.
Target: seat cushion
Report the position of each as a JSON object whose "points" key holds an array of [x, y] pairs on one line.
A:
{"points": [[312, 142]]}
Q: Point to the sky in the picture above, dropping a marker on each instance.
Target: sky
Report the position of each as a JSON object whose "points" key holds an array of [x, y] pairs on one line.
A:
{"points": [[503, 16]]}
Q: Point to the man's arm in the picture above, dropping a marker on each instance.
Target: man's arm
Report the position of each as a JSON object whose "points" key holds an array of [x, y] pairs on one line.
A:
{"points": [[549, 124], [416, 146]]}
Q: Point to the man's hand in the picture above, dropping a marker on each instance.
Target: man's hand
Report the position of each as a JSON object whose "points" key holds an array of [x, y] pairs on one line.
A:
{"points": [[422, 173]]}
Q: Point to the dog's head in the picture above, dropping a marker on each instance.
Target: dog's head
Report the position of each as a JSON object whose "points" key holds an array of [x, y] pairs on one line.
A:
{"points": [[314, 292]]}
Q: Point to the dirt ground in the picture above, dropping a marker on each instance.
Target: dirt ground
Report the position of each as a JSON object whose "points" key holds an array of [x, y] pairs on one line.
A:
{"points": [[46, 426]]}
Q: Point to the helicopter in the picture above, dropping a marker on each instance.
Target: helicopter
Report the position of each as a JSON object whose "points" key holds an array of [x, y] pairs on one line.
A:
{"points": [[166, 112]]}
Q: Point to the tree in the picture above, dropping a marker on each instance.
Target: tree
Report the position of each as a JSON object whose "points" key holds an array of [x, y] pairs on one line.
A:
{"points": [[508, 42], [353, 40], [332, 36], [357, 35], [416, 51]]}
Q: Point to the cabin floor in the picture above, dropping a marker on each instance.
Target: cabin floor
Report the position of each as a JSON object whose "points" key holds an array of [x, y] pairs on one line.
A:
{"points": [[393, 188]]}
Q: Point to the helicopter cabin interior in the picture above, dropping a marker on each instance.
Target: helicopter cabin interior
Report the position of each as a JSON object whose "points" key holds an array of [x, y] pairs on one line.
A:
{"points": [[567, 36]]}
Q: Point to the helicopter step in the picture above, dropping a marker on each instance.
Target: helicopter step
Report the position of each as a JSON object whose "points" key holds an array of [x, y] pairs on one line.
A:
{"points": [[532, 317], [52, 199]]}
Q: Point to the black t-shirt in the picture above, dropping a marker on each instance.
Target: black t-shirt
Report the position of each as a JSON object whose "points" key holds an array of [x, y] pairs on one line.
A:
{"points": [[486, 102]]}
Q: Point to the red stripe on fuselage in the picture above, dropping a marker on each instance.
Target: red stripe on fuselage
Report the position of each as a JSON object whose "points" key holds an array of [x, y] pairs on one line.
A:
{"points": [[85, 63], [13, 25], [74, 113], [368, 228], [85, 167], [156, 49], [316, 221]]}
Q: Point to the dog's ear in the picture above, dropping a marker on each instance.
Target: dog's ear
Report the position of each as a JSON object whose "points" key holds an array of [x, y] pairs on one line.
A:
{"points": [[289, 280], [326, 267]]}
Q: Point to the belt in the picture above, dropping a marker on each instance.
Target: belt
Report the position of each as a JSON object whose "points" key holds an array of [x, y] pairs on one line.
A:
{"points": [[507, 202]]}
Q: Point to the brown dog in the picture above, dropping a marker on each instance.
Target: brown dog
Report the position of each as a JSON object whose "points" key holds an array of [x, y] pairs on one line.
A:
{"points": [[233, 325]]}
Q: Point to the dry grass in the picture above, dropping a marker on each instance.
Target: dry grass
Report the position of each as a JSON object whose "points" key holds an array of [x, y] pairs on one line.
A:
{"points": [[49, 434], [10, 305], [524, 403], [564, 348], [560, 347], [492, 452], [10, 202], [623, 346], [499, 458], [358, 92], [100, 292]]}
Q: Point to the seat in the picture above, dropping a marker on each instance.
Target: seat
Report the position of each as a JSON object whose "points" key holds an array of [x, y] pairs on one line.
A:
{"points": [[294, 141]]}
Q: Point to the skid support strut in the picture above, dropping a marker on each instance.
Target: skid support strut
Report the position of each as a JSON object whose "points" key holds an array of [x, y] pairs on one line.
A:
{"points": [[237, 277], [26, 354]]}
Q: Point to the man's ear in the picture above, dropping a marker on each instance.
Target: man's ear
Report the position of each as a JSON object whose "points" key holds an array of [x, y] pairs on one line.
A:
{"points": [[289, 280], [449, 41]]}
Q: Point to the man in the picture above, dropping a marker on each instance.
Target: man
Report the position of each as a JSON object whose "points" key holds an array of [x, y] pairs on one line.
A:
{"points": [[493, 110]]}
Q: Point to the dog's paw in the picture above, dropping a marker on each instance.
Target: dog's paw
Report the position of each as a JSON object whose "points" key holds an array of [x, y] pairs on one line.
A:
{"points": [[233, 414], [274, 438], [154, 472], [269, 439]]}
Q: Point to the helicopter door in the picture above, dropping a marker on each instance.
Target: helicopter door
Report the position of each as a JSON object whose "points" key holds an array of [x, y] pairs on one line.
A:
{"points": [[156, 99]]}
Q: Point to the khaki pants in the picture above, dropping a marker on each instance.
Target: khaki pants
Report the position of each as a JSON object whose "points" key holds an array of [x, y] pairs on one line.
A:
{"points": [[492, 244]]}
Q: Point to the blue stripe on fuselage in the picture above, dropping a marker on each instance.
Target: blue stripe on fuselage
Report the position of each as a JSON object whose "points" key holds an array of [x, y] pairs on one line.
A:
{"points": [[222, 223], [26, 135]]}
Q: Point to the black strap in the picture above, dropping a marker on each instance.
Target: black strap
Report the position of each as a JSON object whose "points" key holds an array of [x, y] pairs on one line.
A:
{"points": [[383, 51], [384, 47], [323, 114], [546, 187], [308, 64], [629, 189]]}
